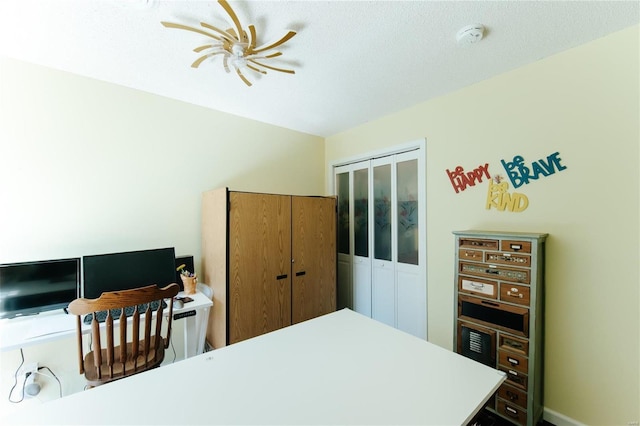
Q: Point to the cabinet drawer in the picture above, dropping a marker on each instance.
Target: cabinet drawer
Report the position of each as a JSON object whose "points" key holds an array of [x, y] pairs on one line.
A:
{"points": [[513, 344], [513, 361], [512, 411], [479, 243], [513, 319], [467, 254], [495, 272], [508, 259], [477, 286], [514, 293], [515, 246], [513, 395], [514, 377]]}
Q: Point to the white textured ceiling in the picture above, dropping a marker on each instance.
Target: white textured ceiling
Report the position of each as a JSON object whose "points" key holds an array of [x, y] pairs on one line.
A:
{"points": [[355, 61]]}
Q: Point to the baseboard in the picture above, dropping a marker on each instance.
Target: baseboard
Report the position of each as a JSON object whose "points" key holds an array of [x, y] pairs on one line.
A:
{"points": [[558, 419]]}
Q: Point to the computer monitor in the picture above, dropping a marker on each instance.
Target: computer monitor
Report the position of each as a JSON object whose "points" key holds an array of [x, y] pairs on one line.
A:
{"points": [[29, 288], [127, 270]]}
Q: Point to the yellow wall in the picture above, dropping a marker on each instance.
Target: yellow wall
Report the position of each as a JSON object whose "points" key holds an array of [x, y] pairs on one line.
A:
{"points": [[90, 167], [584, 104]]}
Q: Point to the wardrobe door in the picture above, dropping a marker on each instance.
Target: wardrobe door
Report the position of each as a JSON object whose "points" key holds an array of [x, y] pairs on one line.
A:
{"points": [[313, 261], [259, 293]]}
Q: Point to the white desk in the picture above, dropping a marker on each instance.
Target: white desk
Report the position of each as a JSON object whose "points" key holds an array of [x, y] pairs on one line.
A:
{"points": [[341, 368], [23, 332]]}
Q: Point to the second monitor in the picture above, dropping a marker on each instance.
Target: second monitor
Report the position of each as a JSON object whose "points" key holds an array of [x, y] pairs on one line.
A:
{"points": [[126, 270]]}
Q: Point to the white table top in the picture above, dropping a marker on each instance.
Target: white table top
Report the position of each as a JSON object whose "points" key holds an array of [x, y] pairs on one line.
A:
{"points": [[341, 368], [25, 331]]}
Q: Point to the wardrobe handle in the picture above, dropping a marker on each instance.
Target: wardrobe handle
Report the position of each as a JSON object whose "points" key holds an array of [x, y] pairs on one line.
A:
{"points": [[300, 273], [281, 277]]}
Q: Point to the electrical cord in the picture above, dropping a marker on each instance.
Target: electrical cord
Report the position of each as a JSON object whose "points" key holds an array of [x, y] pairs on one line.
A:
{"points": [[15, 380], [173, 348], [54, 376]]}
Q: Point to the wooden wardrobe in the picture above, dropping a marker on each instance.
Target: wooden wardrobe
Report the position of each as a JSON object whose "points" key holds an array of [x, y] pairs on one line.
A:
{"points": [[270, 259]]}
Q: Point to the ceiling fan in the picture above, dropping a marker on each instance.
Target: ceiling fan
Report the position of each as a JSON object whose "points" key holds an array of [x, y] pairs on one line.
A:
{"points": [[237, 46]]}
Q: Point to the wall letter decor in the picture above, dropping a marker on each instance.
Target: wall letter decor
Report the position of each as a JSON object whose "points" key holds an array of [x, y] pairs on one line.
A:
{"points": [[519, 174], [460, 180], [499, 197]]}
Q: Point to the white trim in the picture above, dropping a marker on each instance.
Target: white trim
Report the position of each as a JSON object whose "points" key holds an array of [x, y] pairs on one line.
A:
{"points": [[384, 152], [559, 419]]}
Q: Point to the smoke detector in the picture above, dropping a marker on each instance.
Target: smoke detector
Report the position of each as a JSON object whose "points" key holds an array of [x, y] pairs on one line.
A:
{"points": [[470, 34]]}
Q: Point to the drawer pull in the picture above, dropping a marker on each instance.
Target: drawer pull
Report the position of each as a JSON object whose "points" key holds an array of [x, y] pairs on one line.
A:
{"points": [[300, 273], [518, 295], [513, 361], [479, 286], [513, 343], [281, 277], [512, 396], [515, 246], [511, 411]]}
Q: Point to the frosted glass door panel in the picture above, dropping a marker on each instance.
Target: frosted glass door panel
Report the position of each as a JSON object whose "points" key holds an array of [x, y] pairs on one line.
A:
{"points": [[382, 211], [361, 212], [344, 200], [407, 196]]}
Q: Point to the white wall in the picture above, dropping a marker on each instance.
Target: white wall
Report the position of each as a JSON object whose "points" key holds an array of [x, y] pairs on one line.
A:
{"points": [[583, 103]]}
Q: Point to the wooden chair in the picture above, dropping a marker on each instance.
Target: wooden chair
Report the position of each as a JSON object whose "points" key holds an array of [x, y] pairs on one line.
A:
{"points": [[142, 350]]}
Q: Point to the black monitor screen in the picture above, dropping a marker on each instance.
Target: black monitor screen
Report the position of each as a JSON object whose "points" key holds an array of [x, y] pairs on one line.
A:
{"points": [[126, 270], [28, 288]]}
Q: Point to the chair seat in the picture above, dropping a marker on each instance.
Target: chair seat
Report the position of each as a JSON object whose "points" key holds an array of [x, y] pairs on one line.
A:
{"points": [[121, 369]]}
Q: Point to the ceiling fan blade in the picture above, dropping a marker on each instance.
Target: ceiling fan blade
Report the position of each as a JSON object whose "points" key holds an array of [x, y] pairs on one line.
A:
{"points": [[270, 67], [252, 42], [205, 47], [272, 55], [256, 69], [228, 36], [241, 34], [272, 45], [198, 61], [188, 28], [247, 82]]}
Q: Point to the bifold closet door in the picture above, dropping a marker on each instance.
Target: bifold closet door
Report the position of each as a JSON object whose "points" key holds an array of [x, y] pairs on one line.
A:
{"points": [[313, 261], [259, 292], [383, 286], [382, 239], [354, 224]]}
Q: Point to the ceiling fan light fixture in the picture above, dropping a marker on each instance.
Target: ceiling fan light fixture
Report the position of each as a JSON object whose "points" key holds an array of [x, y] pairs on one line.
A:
{"points": [[236, 45]]}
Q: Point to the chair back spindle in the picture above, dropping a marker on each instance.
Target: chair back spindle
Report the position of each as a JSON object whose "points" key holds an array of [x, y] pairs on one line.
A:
{"points": [[137, 350]]}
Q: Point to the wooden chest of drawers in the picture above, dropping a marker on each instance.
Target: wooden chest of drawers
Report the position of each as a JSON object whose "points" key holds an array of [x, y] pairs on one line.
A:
{"points": [[499, 288]]}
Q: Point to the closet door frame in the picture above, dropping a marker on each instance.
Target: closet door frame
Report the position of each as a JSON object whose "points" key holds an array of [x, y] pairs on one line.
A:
{"points": [[419, 325]]}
